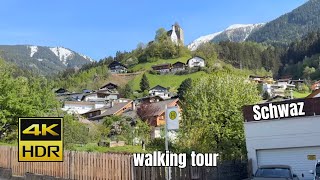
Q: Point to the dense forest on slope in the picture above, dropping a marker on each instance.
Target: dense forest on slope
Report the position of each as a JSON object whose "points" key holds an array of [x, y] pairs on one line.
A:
{"points": [[301, 59], [291, 26], [250, 55]]}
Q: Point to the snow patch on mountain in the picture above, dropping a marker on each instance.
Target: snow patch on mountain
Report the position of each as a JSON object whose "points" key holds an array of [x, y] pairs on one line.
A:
{"points": [[63, 54], [201, 40], [245, 27], [237, 26], [87, 57], [229, 32], [33, 50]]}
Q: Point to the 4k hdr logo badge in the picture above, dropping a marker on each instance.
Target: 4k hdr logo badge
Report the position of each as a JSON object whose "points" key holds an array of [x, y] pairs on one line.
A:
{"points": [[41, 139]]}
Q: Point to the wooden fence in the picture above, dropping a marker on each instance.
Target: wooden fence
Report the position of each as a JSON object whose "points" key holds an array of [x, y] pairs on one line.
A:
{"points": [[76, 165], [108, 166]]}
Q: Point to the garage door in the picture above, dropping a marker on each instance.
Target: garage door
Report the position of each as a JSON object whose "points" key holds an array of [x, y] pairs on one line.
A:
{"points": [[297, 158]]}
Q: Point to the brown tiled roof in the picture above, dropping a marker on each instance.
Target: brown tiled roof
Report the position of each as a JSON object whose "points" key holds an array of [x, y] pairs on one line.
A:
{"points": [[314, 93], [161, 65], [159, 107], [111, 110], [97, 109]]}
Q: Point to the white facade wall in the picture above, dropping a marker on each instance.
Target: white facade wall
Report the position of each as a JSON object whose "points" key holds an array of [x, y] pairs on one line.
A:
{"points": [[285, 85], [162, 94], [283, 133], [163, 70], [94, 97], [99, 105], [174, 36], [77, 108], [282, 84], [196, 62], [178, 69], [267, 87]]}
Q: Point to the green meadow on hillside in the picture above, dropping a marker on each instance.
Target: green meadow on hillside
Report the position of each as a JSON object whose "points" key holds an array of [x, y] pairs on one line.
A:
{"points": [[173, 81], [300, 95], [147, 66], [168, 80]]}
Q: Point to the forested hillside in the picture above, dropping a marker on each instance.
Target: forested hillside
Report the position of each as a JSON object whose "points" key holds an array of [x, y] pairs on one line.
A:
{"points": [[302, 59], [291, 26]]}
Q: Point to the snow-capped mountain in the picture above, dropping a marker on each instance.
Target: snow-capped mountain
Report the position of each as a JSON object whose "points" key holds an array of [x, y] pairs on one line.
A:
{"points": [[45, 60], [235, 33], [201, 40]]}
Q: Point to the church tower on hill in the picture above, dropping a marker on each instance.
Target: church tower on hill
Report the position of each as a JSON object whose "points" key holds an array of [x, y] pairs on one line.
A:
{"points": [[176, 35]]}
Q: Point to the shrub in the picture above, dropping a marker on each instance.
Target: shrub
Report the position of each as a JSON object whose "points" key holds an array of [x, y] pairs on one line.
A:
{"points": [[303, 88], [154, 72], [158, 144], [183, 72]]}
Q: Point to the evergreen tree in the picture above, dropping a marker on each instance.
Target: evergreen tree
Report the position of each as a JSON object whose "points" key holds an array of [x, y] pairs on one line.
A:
{"points": [[127, 91], [144, 83]]}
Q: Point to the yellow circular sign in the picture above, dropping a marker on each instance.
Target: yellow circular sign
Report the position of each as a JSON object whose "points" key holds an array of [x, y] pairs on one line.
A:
{"points": [[172, 115]]}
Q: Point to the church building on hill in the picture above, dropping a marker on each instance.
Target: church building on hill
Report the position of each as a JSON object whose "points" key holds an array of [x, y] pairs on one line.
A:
{"points": [[176, 34]]}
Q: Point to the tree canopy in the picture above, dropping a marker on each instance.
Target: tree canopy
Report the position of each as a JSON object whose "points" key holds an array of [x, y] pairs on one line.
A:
{"points": [[22, 97], [212, 115]]}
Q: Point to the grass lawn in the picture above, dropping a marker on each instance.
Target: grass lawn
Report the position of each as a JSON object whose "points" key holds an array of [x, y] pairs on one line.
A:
{"points": [[96, 148], [147, 66], [169, 80], [300, 95]]}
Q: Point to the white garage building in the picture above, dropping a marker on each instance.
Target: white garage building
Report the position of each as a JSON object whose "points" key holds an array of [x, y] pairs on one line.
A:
{"points": [[291, 138]]}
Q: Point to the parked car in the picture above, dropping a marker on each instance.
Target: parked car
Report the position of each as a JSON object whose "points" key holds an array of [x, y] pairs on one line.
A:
{"points": [[275, 172], [316, 171]]}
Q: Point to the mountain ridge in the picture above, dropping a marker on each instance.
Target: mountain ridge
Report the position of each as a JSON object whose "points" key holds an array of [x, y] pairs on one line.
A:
{"points": [[291, 26], [234, 33], [44, 60]]}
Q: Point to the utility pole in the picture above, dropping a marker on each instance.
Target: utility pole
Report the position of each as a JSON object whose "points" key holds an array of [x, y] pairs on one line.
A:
{"points": [[168, 175]]}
